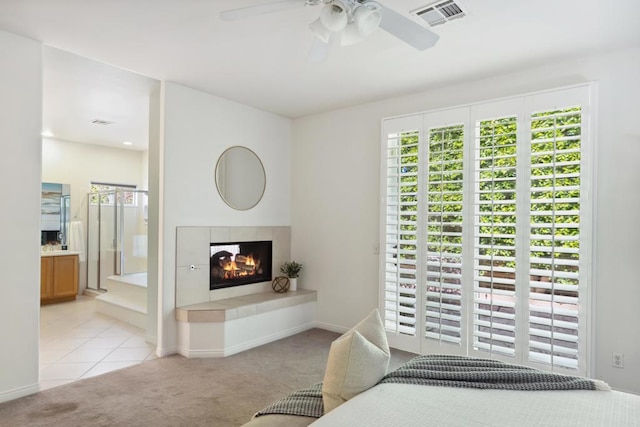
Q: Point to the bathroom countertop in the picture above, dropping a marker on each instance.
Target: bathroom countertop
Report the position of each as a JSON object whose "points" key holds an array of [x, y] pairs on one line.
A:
{"points": [[58, 253]]}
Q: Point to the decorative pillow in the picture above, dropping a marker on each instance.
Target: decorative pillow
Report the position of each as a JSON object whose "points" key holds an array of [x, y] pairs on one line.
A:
{"points": [[357, 361]]}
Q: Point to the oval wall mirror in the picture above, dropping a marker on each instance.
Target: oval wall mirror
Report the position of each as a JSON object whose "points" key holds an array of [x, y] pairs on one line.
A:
{"points": [[240, 178]]}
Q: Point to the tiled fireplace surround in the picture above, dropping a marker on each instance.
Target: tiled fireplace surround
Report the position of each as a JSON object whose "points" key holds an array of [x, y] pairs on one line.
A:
{"points": [[225, 321]]}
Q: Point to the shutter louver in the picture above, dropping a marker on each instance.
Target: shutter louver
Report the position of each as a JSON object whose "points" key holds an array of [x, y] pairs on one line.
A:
{"points": [[555, 237], [494, 280], [444, 234], [401, 233]]}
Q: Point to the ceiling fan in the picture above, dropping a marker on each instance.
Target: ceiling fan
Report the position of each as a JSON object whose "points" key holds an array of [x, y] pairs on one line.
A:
{"points": [[345, 22]]}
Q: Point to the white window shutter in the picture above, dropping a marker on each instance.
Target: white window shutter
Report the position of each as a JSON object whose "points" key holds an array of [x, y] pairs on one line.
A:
{"points": [[399, 252], [494, 304], [486, 230], [555, 253], [444, 233]]}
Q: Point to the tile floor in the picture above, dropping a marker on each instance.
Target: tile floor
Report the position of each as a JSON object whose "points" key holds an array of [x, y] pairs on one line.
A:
{"points": [[76, 342]]}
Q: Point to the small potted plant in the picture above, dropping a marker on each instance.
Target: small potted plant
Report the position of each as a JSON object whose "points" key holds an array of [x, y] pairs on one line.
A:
{"points": [[292, 270]]}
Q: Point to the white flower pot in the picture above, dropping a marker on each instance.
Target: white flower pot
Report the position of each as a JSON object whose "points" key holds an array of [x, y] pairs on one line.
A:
{"points": [[293, 283]]}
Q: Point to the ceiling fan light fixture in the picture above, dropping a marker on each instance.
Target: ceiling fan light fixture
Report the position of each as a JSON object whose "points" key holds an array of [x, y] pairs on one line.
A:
{"points": [[334, 16], [367, 17], [322, 32], [351, 35]]}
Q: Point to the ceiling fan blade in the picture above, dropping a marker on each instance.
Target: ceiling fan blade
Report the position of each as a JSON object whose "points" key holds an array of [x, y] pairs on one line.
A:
{"points": [[261, 9], [407, 30], [319, 51]]}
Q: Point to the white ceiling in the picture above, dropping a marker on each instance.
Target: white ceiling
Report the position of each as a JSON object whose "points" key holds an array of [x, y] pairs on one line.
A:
{"points": [[78, 91], [262, 61]]}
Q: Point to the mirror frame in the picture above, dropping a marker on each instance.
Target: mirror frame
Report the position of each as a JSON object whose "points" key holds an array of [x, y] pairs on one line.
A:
{"points": [[219, 185]]}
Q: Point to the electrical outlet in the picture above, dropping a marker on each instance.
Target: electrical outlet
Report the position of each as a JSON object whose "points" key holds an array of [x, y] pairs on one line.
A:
{"points": [[618, 360]]}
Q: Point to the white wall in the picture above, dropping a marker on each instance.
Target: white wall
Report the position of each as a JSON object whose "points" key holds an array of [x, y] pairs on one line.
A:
{"points": [[153, 179], [79, 164], [335, 193], [20, 127], [198, 127]]}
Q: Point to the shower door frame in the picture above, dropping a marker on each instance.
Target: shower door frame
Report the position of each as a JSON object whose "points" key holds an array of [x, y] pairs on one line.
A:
{"points": [[118, 229]]}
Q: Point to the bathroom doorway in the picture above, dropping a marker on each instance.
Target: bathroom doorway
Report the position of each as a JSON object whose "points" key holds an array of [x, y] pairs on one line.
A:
{"points": [[96, 120]]}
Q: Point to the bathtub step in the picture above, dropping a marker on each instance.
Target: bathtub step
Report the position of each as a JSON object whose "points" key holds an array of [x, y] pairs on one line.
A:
{"points": [[124, 300]]}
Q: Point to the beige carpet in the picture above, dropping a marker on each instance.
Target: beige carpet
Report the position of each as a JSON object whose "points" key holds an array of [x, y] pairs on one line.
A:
{"points": [[176, 391]]}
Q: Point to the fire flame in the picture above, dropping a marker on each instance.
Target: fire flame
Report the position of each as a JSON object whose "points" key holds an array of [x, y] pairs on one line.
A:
{"points": [[243, 265]]}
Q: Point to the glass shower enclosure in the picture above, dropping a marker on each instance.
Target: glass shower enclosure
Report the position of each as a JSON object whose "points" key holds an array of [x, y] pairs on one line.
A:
{"points": [[116, 235]]}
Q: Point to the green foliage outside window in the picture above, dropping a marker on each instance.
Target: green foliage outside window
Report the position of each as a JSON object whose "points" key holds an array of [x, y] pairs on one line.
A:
{"points": [[554, 197], [555, 191], [496, 164], [408, 196], [445, 183]]}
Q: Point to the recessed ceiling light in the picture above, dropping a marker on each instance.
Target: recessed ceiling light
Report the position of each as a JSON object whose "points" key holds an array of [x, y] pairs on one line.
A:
{"points": [[47, 133], [128, 143]]}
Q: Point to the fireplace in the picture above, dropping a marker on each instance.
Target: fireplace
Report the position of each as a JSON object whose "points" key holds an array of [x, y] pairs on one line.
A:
{"points": [[240, 263]]}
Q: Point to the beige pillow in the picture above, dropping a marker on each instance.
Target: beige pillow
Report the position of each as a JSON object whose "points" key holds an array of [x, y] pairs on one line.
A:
{"points": [[357, 361]]}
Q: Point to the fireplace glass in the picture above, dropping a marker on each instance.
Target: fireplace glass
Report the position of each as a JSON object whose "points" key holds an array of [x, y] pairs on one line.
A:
{"points": [[240, 263]]}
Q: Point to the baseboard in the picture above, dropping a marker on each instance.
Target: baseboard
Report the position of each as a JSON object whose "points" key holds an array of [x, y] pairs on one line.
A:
{"points": [[195, 354], [170, 351], [19, 392], [330, 327]]}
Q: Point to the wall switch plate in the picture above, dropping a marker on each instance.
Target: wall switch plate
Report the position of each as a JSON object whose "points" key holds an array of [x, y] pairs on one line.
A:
{"points": [[618, 360]]}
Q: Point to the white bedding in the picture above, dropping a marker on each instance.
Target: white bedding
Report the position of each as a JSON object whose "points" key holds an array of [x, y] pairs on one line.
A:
{"points": [[403, 405]]}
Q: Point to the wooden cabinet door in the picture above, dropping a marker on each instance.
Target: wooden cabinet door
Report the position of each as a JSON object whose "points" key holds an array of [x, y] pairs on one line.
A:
{"points": [[65, 276], [46, 277]]}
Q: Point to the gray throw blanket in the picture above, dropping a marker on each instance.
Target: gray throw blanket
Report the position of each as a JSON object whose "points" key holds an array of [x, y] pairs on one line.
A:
{"points": [[468, 372], [445, 370], [306, 402]]}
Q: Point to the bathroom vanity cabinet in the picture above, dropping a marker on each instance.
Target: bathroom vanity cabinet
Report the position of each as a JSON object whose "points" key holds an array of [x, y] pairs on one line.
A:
{"points": [[58, 278]]}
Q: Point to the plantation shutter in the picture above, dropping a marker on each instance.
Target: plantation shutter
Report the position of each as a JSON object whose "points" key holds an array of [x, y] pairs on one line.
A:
{"points": [[400, 246], [444, 231], [486, 236], [555, 252], [494, 236]]}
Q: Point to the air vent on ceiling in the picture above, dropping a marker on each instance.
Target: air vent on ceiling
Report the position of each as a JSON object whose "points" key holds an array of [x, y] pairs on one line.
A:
{"points": [[440, 12], [101, 122]]}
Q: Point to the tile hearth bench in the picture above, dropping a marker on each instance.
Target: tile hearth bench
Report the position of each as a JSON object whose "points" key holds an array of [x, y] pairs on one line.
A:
{"points": [[227, 326]]}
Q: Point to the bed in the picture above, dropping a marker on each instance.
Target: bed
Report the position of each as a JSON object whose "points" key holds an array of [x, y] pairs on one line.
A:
{"points": [[442, 391], [391, 405]]}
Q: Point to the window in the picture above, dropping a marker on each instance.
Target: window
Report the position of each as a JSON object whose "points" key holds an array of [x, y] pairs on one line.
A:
{"points": [[486, 230], [107, 194]]}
